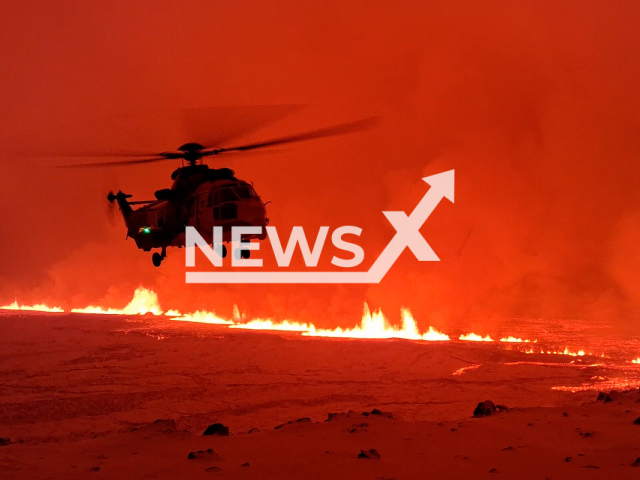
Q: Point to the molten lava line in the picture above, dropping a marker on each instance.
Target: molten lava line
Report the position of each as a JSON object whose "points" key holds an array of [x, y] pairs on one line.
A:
{"points": [[39, 307], [472, 337]]}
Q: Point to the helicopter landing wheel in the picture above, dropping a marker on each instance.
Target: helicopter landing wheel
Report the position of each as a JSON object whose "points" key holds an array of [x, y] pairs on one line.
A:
{"points": [[223, 250], [238, 254], [156, 258]]}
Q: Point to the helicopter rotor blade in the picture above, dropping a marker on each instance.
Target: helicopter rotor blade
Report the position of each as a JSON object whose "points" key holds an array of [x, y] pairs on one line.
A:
{"points": [[119, 163], [91, 154], [341, 129]]}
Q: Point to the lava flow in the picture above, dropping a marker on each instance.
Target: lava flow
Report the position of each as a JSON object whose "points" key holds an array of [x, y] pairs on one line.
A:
{"points": [[373, 325], [472, 337], [39, 307]]}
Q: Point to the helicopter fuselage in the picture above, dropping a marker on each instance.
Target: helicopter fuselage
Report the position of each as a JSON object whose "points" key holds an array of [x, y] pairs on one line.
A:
{"points": [[199, 197]]}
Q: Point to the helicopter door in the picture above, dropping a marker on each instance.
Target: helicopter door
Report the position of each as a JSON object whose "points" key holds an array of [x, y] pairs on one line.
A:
{"points": [[215, 200]]}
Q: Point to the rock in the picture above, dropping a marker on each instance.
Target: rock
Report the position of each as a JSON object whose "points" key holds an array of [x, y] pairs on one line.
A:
{"points": [[217, 429], [635, 422], [612, 396], [601, 396], [300, 420], [254, 430], [332, 417], [567, 459], [484, 408], [212, 469], [380, 413], [372, 453], [246, 464], [502, 408], [636, 462], [4, 442], [207, 454], [167, 421], [94, 469], [493, 470]]}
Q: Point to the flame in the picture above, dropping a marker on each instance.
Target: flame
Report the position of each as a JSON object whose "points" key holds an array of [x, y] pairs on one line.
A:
{"points": [[202, 316], [144, 301], [460, 371], [375, 325], [472, 337], [511, 339], [616, 383], [39, 307], [566, 351], [268, 324]]}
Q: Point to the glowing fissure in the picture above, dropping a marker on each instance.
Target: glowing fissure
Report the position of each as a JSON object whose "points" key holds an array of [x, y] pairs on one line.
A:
{"points": [[516, 340], [472, 337], [144, 301], [373, 325], [39, 307]]}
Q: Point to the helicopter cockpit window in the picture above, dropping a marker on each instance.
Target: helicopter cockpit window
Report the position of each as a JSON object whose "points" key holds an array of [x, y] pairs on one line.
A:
{"points": [[243, 192], [227, 195]]}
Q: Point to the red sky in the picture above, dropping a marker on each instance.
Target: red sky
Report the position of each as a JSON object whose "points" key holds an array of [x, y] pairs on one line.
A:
{"points": [[535, 104]]}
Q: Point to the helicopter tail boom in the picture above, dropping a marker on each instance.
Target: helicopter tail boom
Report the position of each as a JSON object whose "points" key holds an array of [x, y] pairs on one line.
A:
{"points": [[123, 204]]}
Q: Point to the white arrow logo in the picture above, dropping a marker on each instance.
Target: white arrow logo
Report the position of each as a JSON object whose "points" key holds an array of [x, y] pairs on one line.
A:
{"points": [[407, 235]]}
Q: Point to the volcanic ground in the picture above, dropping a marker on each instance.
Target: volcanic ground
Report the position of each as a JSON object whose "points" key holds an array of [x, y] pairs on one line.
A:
{"points": [[98, 396]]}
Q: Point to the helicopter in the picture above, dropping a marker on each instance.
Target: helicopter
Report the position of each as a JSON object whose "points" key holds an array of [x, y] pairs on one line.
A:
{"points": [[200, 196]]}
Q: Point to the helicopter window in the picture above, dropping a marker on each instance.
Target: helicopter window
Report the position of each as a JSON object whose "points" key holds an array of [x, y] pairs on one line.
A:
{"points": [[227, 195], [243, 192], [229, 211], [210, 199]]}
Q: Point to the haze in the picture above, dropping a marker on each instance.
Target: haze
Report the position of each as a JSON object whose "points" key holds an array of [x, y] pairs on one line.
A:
{"points": [[535, 105]]}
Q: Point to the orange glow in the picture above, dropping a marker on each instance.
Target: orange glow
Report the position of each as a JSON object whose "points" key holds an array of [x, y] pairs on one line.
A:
{"points": [[39, 307], [144, 301], [460, 371], [202, 316], [566, 351], [268, 324], [516, 340], [636, 360], [375, 325], [472, 337]]}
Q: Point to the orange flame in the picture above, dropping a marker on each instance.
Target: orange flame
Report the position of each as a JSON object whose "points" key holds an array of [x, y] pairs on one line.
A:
{"points": [[472, 337], [144, 301], [268, 324], [375, 325], [460, 371], [511, 339], [202, 316], [39, 307]]}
